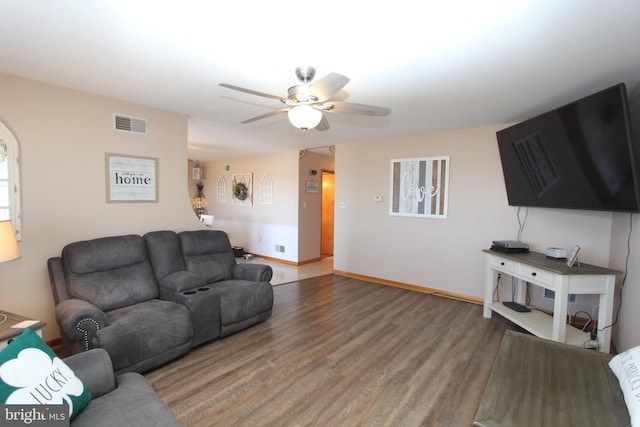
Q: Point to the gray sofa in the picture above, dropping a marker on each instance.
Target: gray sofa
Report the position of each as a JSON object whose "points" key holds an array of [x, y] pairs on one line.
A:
{"points": [[149, 299], [537, 382], [122, 400]]}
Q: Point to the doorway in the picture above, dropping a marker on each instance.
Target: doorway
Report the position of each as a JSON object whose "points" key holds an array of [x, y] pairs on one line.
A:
{"points": [[327, 216]]}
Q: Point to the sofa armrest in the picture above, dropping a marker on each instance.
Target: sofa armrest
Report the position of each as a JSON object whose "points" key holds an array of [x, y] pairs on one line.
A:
{"points": [[57, 279], [95, 370], [181, 281], [80, 320], [252, 272]]}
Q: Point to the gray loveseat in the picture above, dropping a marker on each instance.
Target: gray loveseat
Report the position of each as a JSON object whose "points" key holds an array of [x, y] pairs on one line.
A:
{"points": [[148, 299]]}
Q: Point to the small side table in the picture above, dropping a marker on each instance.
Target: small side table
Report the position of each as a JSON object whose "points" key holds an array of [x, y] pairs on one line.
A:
{"points": [[8, 334]]}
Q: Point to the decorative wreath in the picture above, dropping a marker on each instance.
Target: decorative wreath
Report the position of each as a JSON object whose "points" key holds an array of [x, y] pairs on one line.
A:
{"points": [[240, 191]]}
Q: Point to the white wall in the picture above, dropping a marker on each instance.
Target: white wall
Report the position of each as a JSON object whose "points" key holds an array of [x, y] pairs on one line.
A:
{"points": [[625, 244], [63, 136], [444, 254], [293, 218], [260, 227]]}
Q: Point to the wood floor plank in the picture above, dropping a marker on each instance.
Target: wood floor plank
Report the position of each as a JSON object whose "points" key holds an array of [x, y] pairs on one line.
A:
{"points": [[339, 351]]}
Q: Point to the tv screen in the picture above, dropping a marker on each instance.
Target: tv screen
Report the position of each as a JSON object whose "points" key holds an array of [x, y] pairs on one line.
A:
{"points": [[579, 156]]}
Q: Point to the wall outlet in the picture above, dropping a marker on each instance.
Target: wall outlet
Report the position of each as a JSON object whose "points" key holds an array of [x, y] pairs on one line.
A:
{"points": [[549, 294], [280, 248]]}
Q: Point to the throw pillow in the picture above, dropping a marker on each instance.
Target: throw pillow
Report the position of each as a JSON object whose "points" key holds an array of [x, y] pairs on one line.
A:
{"points": [[32, 374], [626, 367]]}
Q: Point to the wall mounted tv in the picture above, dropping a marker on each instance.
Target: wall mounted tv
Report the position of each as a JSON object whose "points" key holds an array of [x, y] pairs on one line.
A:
{"points": [[579, 156]]}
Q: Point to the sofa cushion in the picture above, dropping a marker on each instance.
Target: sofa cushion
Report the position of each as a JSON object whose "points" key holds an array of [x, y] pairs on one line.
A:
{"points": [[141, 331], [208, 254], [132, 403], [32, 374], [181, 281], [109, 272], [95, 370], [164, 252], [242, 299]]}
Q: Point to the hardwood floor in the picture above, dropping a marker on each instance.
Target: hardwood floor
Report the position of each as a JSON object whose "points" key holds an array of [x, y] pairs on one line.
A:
{"points": [[340, 352]]}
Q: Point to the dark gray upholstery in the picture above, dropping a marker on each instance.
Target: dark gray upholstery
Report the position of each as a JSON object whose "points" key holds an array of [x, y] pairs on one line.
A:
{"points": [[123, 400], [145, 335], [208, 254], [246, 296], [182, 286], [110, 273], [113, 304], [146, 300], [164, 253]]}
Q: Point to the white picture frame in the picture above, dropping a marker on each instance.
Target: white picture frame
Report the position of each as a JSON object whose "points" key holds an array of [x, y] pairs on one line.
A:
{"points": [[196, 173], [131, 178], [574, 257], [246, 181], [420, 187]]}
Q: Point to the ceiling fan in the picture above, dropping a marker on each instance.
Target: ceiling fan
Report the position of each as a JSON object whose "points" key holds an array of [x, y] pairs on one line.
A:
{"points": [[306, 102]]}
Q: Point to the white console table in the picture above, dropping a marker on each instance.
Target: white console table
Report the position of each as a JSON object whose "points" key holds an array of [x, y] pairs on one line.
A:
{"points": [[539, 270]]}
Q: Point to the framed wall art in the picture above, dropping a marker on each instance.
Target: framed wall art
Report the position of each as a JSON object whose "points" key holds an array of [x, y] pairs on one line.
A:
{"points": [[419, 187], [242, 189], [196, 173], [131, 178], [312, 187]]}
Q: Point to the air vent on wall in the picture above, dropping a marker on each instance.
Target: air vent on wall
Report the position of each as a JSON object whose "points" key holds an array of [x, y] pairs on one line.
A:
{"points": [[129, 124]]}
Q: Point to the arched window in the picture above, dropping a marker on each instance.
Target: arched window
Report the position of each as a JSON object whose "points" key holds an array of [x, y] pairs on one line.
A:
{"points": [[266, 190], [221, 190], [10, 179]]}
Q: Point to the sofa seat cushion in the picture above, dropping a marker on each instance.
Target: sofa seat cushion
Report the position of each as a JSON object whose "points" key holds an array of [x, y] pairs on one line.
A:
{"points": [[145, 330], [242, 299], [132, 403]]}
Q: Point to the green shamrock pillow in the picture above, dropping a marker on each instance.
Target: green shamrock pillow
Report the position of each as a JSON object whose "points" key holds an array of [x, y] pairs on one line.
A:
{"points": [[32, 374]]}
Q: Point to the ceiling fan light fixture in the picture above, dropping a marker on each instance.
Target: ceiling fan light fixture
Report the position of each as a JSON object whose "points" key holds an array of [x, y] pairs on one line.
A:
{"points": [[304, 117]]}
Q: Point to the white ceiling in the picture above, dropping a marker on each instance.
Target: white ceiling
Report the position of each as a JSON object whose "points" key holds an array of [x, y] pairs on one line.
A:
{"points": [[437, 64]]}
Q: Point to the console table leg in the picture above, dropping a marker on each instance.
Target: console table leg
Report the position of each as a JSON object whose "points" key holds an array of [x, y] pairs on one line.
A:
{"points": [[489, 280]]}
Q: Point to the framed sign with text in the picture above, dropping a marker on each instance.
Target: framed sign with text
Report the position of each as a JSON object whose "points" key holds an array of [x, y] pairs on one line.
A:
{"points": [[420, 187], [131, 178]]}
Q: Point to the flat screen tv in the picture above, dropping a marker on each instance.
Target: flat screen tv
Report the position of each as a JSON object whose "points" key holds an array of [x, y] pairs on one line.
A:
{"points": [[579, 156]]}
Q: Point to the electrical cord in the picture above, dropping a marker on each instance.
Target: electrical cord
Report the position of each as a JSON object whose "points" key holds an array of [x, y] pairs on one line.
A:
{"points": [[584, 328], [496, 290], [4, 318], [624, 277]]}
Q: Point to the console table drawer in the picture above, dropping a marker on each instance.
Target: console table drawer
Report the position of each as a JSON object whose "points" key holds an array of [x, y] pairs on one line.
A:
{"points": [[504, 264], [536, 274]]}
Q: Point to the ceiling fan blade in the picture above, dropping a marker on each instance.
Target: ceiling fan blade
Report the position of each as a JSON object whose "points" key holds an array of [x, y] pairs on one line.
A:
{"points": [[324, 124], [328, 86], [252, 92], [362, 109], [265, 115]]}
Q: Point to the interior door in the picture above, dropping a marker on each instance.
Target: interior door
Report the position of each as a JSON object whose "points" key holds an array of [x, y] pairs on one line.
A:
{"points": [[328, 201]]}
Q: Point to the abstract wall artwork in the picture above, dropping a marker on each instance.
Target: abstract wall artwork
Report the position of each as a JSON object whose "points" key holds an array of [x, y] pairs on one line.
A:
{"points": [[419, 187]]}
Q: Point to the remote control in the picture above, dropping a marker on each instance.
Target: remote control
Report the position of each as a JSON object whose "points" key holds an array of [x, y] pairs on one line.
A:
{"points": [[516, 307]]}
